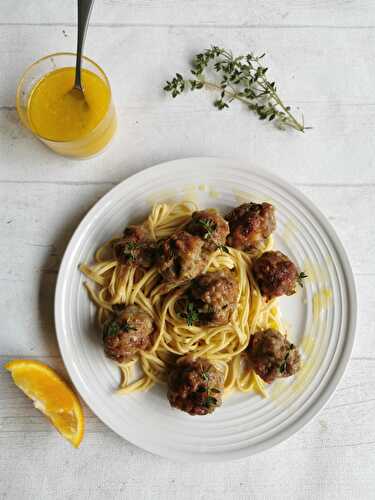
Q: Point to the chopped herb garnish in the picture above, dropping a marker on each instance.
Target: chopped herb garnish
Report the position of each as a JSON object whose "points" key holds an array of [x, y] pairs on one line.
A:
{"points": [[128, 250], [209, 226], [205, 376], [191, 315], [125, 327], [201, 389], [210, 401], [223, 248], [282, 367], [300, 278], [112, 329]]}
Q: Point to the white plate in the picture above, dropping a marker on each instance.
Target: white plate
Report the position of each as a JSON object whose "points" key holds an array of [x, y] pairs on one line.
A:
{"points": [[245, 424]]}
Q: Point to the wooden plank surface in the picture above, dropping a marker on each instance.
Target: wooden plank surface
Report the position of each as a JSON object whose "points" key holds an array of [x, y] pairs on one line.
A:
{"points": [[328, 459], [322, 54], [244, 13], [311, 71]]}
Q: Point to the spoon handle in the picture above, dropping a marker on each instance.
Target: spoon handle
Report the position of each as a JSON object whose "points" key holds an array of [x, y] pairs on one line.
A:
{"points": [[84, 11]]}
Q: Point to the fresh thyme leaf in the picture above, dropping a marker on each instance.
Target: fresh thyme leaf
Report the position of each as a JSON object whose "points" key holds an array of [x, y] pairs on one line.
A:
{"points": [[223, 248], [210, 401], [209, 226], [191, 315], [129, 248], [300, 278], [126, 327], [201, 389], [205, 376], [242, 78], [112, 329], [282, 367]]}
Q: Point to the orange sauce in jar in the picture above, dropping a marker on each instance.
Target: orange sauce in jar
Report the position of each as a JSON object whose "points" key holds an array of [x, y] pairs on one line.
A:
{"points": [[68, 124]]}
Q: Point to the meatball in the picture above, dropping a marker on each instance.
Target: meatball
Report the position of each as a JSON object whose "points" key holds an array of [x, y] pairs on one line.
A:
{"points": [[181, 257], [214, 297], [195, 386], [250, 224], [127, 334], [272, 356], [210, 226], [135, 247], [275, 274]]}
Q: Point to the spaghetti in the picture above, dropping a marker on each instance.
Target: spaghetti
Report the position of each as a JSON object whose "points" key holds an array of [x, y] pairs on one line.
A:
{"points": [[112, 283]]}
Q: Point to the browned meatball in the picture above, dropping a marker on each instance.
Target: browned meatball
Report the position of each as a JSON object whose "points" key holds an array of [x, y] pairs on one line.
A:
{"points": [[250, 224], [127, 334], [210, 226], [195, 386], [181, 257], [275, 274], [272, 356], [214, 298], [135, 247]]}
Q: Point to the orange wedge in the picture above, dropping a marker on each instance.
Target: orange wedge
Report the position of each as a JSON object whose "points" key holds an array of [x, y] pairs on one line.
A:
{"points": [[51, 395]]}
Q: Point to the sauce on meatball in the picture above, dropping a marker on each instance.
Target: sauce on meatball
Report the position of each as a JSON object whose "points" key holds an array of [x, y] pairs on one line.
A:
{"points": [[275, 274], [195, 386], [127, 334], [272, 356], [181, 257], [250, 224]]}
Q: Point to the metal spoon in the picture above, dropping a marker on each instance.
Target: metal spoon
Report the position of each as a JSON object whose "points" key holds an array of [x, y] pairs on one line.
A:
{"points": [[84, 11]]}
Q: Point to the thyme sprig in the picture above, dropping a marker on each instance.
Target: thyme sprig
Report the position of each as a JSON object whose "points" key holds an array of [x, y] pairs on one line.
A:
{"points": [[125, 327], [283, 365], [210, 226], [243, 78], [300, 278], [113, 328], [223, 248], [191, 315], [128, 250], [210, 400]]}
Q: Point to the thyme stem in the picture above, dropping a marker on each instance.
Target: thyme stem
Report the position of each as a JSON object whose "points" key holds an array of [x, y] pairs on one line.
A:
{"points": [[242, 78]]}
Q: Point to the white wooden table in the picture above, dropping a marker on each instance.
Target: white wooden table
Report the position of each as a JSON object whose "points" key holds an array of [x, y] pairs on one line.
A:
{"points": [[322, 54]]}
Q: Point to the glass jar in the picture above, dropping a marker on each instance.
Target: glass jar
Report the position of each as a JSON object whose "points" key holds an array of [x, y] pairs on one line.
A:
{"points": [[92, 141]]}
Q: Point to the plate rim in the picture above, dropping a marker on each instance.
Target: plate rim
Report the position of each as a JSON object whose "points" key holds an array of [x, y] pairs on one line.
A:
{"points": [[327, 391]]}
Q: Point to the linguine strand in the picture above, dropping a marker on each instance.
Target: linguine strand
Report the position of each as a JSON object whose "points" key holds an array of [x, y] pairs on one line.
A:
{"points": [[224, 345]]}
